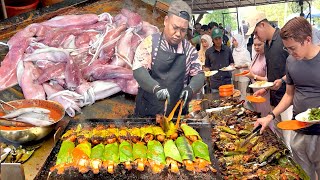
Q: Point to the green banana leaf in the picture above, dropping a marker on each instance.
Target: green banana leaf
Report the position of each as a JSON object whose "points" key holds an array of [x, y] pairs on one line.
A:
{"points": [[125, 152], [201, 150], [139, 151], [111, 152], [189, 131], [172, 129], [97, 152], [171, 150], [85, 147], [157, 130], [65, 152], [184, 148], [145, 130], [155, 152]]}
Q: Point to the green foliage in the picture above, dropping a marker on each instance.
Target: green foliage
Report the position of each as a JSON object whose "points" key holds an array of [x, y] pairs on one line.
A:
{"points": [[217, 16]]}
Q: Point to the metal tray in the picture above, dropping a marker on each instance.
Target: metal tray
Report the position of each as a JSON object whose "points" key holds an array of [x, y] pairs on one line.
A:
{"points": [[203, 128]]}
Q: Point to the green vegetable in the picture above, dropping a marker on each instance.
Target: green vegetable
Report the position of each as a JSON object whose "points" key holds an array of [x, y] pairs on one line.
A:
{"points": [[111, 152], [125, 152], [155, 152], [201, 150], [97, 152], [227, 130], [184, 148], [314, 114], [189, 131], [139, 151], [171, 150], [65, 152]]}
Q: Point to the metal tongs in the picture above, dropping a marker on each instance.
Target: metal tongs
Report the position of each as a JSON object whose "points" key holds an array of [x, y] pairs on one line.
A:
{"points": [[249, 136], [170, 117]]}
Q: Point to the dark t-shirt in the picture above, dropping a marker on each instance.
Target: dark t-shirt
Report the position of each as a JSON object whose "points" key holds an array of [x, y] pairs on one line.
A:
{"points": [[276, 65], [305, 76], [216, 60]]}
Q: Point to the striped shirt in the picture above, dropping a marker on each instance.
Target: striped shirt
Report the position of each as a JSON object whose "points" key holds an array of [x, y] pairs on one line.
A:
{"points": [[143, 56]]}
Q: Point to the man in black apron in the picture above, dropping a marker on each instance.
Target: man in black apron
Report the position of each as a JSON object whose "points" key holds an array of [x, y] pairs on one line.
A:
{"points": [[174, 71]]}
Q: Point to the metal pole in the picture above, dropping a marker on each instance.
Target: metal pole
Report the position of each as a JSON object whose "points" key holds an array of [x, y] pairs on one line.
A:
{"points": [[238, 19], [4, 9]]}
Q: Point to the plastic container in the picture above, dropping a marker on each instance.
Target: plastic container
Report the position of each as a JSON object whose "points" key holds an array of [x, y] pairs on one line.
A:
{"points": [[226, 90], [16, 7]]}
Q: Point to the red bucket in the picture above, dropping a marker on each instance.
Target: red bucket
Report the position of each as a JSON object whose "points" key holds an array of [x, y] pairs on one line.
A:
{"points": [[16, 7]]}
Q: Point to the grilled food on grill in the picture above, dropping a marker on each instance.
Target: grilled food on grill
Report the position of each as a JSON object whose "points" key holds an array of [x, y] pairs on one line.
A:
{"points": [[111, 157], [173, 157], [125, 153], [186, 153], [140, 156], [156, 157]]}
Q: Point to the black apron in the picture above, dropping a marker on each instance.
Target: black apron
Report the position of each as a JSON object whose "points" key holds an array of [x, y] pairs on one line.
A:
{"points": [[169, 70]]}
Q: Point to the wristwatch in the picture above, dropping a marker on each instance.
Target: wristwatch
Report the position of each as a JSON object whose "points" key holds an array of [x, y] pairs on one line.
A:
{"points": [[272, 114], [283, 81]]}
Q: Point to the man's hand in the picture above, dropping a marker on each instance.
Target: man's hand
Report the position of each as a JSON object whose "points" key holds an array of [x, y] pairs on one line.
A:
{"points": [[260, 92], [162, 94], [264, 122], [277, 84], [186, 95]]}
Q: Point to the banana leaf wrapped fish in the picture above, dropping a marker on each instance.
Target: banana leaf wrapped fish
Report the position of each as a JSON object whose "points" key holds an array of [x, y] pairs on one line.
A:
{"points": [[147, 133], [140, 155], [84, 136], [190, 133], [135, 134], [156, 157], [123, 135], [186, 152], [81, 156], [64, 157], [111, 157], [172, 133], [201, 152], [125, 154], [172, 155], [111, 135], [98, 135], [159, 133], [96, 158]]}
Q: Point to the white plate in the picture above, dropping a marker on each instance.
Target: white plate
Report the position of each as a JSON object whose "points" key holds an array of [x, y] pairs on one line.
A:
{"points": [[217, 109], [229, 68], [210, 73], [304, 117], [265, 85]]}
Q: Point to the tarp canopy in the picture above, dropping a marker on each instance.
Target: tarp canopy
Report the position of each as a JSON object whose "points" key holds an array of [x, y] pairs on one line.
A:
{"points": [[201, 6]]}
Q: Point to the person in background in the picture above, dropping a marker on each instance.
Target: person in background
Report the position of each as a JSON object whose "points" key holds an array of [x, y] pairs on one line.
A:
{"points": [[276, 58], [166, 65], [217, 57], [196, 37], [206, 43], [244, 27], [258, 72], [242, 60], [205, 30], [225, 38], [197, 29], [303, 91], [212, 25]]}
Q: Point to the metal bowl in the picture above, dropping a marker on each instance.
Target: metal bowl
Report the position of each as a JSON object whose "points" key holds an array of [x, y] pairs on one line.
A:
{"points": [[27, 134]]}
